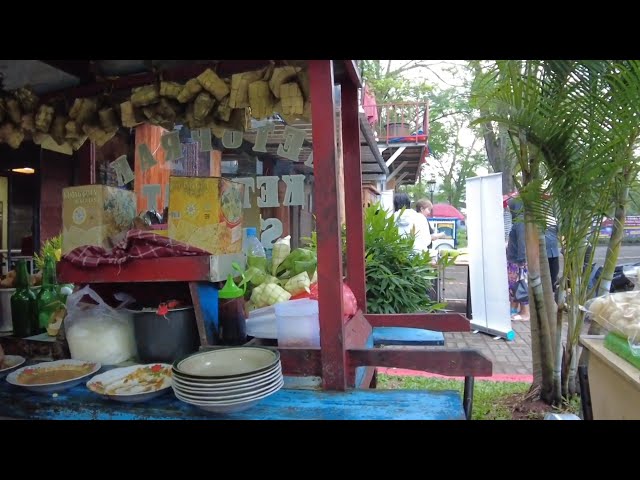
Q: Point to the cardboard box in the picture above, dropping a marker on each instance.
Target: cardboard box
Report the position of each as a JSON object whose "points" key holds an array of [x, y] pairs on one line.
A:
{"points": [[206, 212], [96, 215]]}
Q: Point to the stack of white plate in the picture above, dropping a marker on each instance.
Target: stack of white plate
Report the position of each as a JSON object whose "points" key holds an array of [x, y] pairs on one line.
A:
{"points": [[228, 379]]}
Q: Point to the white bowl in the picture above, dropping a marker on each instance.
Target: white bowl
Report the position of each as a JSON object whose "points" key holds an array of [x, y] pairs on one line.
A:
{"points": [[228, 362], [224, 382], [226, 397], [230, 407], [235, 390], [12, 378], [11, 362]]}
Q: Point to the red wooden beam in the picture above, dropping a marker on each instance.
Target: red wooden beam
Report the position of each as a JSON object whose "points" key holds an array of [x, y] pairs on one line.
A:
{"points": [[177, 74], [170, 269], [353, 193], [357, 331], [301, 361], [328, 229], [440, 322], [443, 362], [85, 163], [353, 73]]}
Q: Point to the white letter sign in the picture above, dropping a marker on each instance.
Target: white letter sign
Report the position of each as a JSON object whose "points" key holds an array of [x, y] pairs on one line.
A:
{"points": [[261, 137], [293, 140], [171, 144], [123, 170], [295, 190], [269, 195], [271, 231]]}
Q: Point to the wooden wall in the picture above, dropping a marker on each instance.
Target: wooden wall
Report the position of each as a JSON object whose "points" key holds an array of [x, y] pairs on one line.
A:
{"points": [[56, 173]]}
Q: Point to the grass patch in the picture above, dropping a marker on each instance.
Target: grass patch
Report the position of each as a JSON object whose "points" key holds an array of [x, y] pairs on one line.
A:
{"points": [[487, 400]]}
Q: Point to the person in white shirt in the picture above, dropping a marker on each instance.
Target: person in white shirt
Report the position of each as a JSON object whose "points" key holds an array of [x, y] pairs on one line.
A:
{"points": [[409, 221], [425, 207]]}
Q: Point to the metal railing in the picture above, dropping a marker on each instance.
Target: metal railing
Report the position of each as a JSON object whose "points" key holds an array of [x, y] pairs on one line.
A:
{"points": [[402, 122]]}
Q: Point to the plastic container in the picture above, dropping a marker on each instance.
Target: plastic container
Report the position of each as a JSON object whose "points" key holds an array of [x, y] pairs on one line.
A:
{"points": [[6, 324], [298, 323]]}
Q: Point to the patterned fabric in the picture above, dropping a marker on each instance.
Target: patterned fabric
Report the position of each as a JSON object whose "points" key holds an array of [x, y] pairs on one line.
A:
{"points": [[514, 272], [507, 223], [137, 244]]}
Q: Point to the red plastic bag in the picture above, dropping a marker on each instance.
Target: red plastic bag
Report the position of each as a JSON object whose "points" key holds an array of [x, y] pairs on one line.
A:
{"points": [[349, 303]]}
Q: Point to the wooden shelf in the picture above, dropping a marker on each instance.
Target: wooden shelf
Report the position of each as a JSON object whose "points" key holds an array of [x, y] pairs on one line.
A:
{"points": [[169, 269]]}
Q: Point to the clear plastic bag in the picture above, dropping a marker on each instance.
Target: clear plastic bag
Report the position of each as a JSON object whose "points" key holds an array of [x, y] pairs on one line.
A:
{"points": [[98, 332], [349, 302], [618, 313]]}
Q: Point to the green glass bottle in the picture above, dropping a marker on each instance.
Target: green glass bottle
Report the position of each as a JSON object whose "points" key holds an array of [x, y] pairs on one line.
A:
{"points": [[48, 298], [23, 304]]}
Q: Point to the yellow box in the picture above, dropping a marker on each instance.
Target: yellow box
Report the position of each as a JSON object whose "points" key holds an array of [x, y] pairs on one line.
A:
{"points": [[96, 215], [206, 212]]}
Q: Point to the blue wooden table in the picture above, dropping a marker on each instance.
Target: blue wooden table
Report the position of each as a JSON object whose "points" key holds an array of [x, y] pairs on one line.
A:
{"points": [[406, 336], [79, 403]]}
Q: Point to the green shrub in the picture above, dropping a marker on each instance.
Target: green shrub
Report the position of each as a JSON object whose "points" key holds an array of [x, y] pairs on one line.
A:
{"points": [[397, 278]]}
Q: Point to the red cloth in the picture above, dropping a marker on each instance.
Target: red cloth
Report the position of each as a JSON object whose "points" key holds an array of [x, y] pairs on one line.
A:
{"points": [[137, 244], [370, 107]]}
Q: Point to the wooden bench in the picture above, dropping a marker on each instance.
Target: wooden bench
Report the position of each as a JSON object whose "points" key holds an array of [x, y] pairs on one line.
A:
{"points": [[407, 336], [410, 329], [79, 403]]}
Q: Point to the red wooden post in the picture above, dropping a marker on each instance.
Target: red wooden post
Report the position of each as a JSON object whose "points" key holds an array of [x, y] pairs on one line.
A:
{"points": [[328, 229], [353, 192]]}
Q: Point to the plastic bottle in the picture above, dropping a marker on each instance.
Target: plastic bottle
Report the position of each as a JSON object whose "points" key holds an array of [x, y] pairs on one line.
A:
{"points": [[254, 251], [48, 300], [23, 304], [231, 316]]}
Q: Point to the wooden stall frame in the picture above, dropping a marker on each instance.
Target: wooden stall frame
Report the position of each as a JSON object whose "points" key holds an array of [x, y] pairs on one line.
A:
{"points": [[344, 347]]}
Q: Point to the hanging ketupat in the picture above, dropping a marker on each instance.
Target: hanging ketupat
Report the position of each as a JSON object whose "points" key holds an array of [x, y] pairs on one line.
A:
{"points": [[108, 119], [57, 131], [14, 111], [213, 84], [260, 100], [28, 124], [236, 100], [170, 89], [28, 100], [282, 75], [127, 115], [239, 96], [291, 98], [44, 118], [202, 105], [190, 90], [146, 95], [224, 110]]}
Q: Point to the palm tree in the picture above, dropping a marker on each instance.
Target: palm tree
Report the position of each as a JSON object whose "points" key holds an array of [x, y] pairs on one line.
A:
{"points": [[563, 121]]}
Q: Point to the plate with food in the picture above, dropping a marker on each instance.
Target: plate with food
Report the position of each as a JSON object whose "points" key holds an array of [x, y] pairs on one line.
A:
{"points": [[137, 383], [9, 363], [49, 377]]}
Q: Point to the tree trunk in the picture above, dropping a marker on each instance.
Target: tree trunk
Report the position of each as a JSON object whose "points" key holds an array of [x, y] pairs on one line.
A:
{"points": [[537, 304], [617, 232], [547, 287]]}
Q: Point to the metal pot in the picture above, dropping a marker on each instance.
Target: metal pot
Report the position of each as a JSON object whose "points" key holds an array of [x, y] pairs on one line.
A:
{"points": [[165, 338]]}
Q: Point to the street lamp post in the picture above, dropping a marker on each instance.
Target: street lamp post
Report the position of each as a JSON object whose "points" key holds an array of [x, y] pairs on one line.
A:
{"points": [[431, 186]]}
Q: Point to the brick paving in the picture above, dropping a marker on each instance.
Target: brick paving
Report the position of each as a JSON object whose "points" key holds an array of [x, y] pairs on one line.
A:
{"points": [[508, 357]]}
